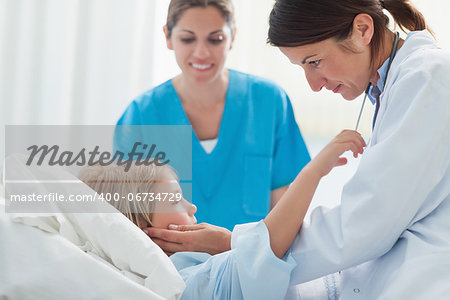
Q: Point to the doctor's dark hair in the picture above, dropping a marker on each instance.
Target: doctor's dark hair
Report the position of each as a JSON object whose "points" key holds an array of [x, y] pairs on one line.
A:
{"points": [[178, 7], [302, 22]]}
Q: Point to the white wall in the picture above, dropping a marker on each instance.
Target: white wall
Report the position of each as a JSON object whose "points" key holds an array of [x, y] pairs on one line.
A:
{"points": [[82, 61], [319, 114]]}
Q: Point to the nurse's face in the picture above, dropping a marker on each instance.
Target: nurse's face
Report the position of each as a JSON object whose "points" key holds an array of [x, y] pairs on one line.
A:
{"points": [[341, 68], [171, 212], [201, 40]]}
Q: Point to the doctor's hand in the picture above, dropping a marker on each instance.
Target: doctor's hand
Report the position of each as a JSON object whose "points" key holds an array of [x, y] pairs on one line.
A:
{"points": [[201, 237], [330, 156]]}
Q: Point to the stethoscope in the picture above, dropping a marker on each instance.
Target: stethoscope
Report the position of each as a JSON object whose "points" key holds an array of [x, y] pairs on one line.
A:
{"points": [[391, 58]]}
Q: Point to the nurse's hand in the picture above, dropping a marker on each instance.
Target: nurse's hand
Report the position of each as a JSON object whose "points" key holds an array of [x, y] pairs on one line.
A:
{"points": [[201, 237]]}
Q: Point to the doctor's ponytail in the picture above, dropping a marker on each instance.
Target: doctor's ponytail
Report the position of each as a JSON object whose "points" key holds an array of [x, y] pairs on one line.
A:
{"points": [[405, 15]]}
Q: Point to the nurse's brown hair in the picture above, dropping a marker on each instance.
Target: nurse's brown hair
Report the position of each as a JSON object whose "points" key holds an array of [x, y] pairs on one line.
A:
{"points": [[178, 7], [302, 22]]}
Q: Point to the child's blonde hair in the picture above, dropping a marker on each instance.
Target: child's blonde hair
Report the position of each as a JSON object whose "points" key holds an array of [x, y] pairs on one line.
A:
{"points": [[113, 181]]}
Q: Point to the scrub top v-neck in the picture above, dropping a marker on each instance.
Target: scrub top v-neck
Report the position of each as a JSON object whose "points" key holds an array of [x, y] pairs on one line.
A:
{"points": [[259, 147]]}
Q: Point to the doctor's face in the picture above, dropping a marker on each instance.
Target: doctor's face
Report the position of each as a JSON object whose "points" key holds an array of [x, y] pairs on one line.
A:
{"points": [[334, 66], [201, 40]]}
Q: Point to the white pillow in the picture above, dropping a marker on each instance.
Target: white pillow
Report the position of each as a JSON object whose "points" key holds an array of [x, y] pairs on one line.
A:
{"points": [[59, 255]]}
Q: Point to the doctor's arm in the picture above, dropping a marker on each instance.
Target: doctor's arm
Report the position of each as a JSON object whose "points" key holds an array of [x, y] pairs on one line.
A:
{"points": [[285, 219], [390, 187], [201, 237]]}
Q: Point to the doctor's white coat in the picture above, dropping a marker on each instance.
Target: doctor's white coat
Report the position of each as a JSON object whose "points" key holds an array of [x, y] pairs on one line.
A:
{"points": [[391, 233]]}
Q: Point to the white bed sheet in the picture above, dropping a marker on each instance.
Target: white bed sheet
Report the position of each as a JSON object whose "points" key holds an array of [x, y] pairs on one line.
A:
{"points": [[84, 255]]}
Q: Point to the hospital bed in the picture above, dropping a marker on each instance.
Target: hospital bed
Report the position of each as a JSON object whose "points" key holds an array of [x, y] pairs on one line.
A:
{"points": [[81, 256], [61, 255]]}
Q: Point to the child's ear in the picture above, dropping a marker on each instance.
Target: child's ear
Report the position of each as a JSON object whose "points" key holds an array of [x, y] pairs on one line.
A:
{"points": [[141, 222], [168, 40]]}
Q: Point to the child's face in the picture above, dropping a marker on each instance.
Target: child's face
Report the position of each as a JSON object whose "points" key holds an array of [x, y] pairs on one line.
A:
{"points": [[172, 212]]}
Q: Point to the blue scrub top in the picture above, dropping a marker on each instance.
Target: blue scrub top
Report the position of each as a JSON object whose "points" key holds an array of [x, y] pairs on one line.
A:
{"points": [[259, 148]]}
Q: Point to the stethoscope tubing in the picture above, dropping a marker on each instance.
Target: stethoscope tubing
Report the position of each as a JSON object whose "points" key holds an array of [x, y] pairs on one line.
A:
{"points": [[391, 58]]}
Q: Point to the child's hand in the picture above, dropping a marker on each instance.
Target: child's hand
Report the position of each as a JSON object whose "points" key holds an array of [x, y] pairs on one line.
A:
{"points": [[329, 157]]}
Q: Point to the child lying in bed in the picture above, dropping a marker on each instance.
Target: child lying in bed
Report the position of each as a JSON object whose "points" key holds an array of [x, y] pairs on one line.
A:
{"points": [[258, 266], [150, 196]]}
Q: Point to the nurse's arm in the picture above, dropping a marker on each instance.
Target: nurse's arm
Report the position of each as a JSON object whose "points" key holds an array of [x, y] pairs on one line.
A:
{"points": [[285, 219]]}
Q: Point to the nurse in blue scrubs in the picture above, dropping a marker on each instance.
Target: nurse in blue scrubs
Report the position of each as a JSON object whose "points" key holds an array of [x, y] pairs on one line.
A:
{"points": [[246, 145]]}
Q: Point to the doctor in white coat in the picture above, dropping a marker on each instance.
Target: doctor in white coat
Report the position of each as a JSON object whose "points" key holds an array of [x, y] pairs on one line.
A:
{"points": [[390, 236]]}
